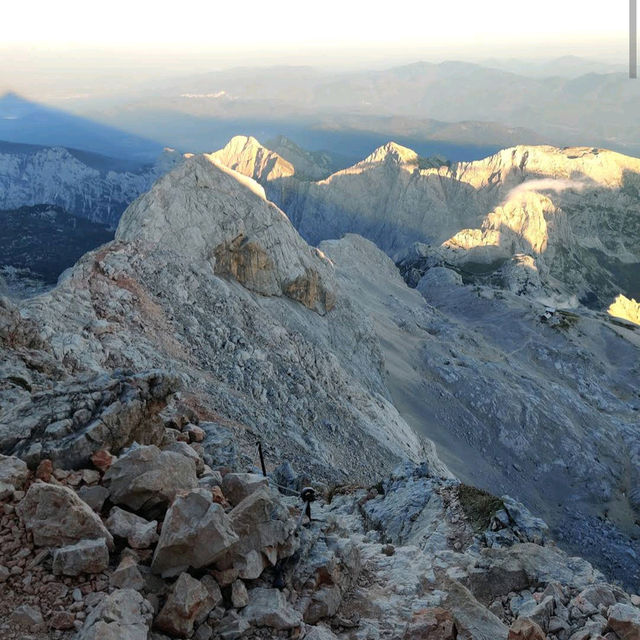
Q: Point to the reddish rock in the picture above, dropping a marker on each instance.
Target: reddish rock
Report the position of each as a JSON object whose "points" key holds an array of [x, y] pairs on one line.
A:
{"points": [[218, 496], [435, 623], [62, 620], [102, 459], [44, 470], [526, 629]]}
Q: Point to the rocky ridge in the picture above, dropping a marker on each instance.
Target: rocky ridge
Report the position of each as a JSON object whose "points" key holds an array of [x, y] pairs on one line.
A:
{"points": [[115, 377], [539, 220], [57, 176]]}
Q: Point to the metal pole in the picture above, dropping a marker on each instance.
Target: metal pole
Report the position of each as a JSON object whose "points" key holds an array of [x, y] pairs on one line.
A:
{"points": [[264, 469], [633, 39]]}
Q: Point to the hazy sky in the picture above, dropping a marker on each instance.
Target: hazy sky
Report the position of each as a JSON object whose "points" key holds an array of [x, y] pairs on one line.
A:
{"points": [[217, 24], [55, 48]]}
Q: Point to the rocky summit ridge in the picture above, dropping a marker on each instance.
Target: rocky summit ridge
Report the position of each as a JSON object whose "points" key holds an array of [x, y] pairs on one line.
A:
{"points": [[133, 396]]}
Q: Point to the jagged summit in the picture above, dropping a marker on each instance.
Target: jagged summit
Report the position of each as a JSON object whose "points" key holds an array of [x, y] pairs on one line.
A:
{"points": [[391, 152], [205, 211], [247, 156]]}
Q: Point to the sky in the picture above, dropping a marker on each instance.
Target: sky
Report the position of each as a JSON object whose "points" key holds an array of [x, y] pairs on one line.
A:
{"points": [[213, 24], [57, 47]]}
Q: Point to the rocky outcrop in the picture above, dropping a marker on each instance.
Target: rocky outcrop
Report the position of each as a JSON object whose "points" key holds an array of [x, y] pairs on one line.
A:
{"points": [[57, 517], [84, 414], [207, 212]]}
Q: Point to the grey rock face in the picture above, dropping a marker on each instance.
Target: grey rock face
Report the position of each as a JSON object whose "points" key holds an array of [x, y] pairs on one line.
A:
{"points": [[121, 615], [207, 212], [146, 478], [57, 517], [195, 533], [92, 412], [87, 556]]}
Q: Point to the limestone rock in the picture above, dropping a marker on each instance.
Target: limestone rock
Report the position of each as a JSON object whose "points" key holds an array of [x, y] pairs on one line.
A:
{"points": [[195, 533], [58, 517], [237, 486], [248, 157], [205, 211], [188, 600], [324, 633], [263, 525], [94, 412], [625, 308], [146, 478], [269, 608], [86, 556], [121, 615], [472, 620], [127, 575], [624, 619], [13, 471], [139, 533], [94, 496]]}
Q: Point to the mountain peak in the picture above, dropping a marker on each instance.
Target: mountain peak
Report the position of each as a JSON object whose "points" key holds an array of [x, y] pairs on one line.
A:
{"points": [[392, 152], [206, 212], [247, 156]]}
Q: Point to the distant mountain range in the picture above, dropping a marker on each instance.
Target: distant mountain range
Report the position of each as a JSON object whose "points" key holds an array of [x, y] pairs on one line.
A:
{"points": [[566, 102], [85, 184]]}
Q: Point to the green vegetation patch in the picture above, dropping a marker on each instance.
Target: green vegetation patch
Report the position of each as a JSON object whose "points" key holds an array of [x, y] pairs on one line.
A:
{"points": [[479, 506]]}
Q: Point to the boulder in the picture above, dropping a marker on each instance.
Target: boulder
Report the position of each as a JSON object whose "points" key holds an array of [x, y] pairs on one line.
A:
{"points": [[269, 608], [139, 533], [237, 486], [195, 533], [265, 527], [58, 517], [473, 621], [188, 600], [121, 615], [145, 478], [624, 619], [87, 556], [127, 575], [526, 629]]}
